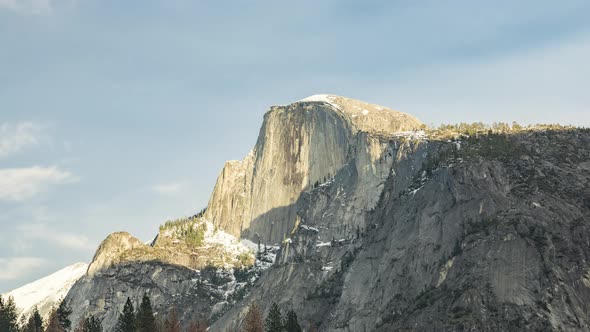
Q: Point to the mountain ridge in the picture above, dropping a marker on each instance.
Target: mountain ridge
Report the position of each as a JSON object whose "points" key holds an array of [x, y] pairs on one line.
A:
{"points": [[45, 293], [396, 229]]}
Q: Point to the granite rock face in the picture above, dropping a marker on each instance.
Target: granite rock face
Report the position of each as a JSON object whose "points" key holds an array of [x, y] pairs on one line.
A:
{"points": [[487, 234], [104, 293], [301, 145], [381, 227], [109, 252]]}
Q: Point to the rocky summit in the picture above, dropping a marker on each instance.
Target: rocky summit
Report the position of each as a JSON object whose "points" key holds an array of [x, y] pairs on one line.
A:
{"points": [[361, 218]]}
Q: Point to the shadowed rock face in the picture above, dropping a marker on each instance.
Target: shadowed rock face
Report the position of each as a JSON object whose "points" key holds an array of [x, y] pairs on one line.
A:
{"points": [[105, 292], [489, 237], [299, 146]]}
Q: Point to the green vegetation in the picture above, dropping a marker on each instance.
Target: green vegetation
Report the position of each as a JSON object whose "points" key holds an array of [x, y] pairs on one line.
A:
{"points": [[126, 322], [8, 315], [246, 259], [191, 230], [462, 130]]}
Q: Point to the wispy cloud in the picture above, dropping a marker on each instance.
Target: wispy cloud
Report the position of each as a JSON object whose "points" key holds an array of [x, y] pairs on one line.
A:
{"points": [[16, 137], [17, 184], [17, 267], [36, 7], [168, 188], [27, 6], [63, 239]]}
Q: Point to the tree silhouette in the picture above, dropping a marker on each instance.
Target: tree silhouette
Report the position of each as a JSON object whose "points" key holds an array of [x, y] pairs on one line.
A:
{"points": [[145, 321], [274, 320], [291, 323], [254, 321], [126, 322]]}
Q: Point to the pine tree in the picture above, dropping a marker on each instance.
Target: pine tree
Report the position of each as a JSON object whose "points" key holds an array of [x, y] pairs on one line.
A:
{"points": [[291, 323], [126, 322], [35, 323], [172, 323], [53, 324], [254, 321], [92, 324], [274, 320], [63, 315], [145, 321], [8, 315]]}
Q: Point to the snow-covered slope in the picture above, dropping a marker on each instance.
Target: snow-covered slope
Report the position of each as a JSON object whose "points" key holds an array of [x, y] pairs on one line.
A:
{"points": [[46, 292]]}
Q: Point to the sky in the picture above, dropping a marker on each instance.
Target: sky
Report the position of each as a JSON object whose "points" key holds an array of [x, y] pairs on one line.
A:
{"points": [[117, 115]]}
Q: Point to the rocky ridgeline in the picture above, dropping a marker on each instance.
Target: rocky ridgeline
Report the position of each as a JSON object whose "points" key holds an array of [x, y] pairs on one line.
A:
{"points": [[300, 146], [382, 224], [190, 264], [487, 231]]}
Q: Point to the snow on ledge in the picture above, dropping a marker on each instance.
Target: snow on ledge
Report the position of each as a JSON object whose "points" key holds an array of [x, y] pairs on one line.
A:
{"points": [[418, 134], [329, 99]]}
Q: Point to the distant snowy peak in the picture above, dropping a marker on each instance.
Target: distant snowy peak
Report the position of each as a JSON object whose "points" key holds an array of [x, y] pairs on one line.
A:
{"points": [[46, 292]]}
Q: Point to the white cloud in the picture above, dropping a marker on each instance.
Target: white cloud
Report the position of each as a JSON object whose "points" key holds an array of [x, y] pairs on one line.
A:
{"points": [[168, 188], [60, 238], [17, 184], [16, 267], [37, 7], [16, 137], [27, 6]]}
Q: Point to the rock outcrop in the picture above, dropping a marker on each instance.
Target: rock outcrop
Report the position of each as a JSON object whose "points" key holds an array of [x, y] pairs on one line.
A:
{"points": [[301, 145], [382, 227], [112, 249], [484, 234]]}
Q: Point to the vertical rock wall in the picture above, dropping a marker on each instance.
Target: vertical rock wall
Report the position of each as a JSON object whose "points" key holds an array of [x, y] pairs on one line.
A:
{"points": [[300, 146]]}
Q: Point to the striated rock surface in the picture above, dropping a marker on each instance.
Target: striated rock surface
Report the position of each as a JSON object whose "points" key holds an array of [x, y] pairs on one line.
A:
{"points": [[301, 145], [111, 250], [488, 233]]}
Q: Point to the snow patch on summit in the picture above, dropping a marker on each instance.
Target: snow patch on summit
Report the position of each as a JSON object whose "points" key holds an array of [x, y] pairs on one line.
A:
{"points": [[329, 99]]}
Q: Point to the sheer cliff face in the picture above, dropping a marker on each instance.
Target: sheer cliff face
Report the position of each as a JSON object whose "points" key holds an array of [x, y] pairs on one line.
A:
{"points": [[487, 234], [301, 145]]}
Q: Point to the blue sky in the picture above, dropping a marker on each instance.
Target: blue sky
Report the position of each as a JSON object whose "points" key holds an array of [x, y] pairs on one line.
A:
{"points": [[115, 115]]}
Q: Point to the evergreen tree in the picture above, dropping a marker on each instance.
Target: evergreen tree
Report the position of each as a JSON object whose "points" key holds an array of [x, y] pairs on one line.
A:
{"points": [[53, 324], [254, 321], [172, 323], [145, 321], [92, 324], [8, 315], [274, 320], [35, 322], [63, 315], [291, 323], [126, 322]]}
